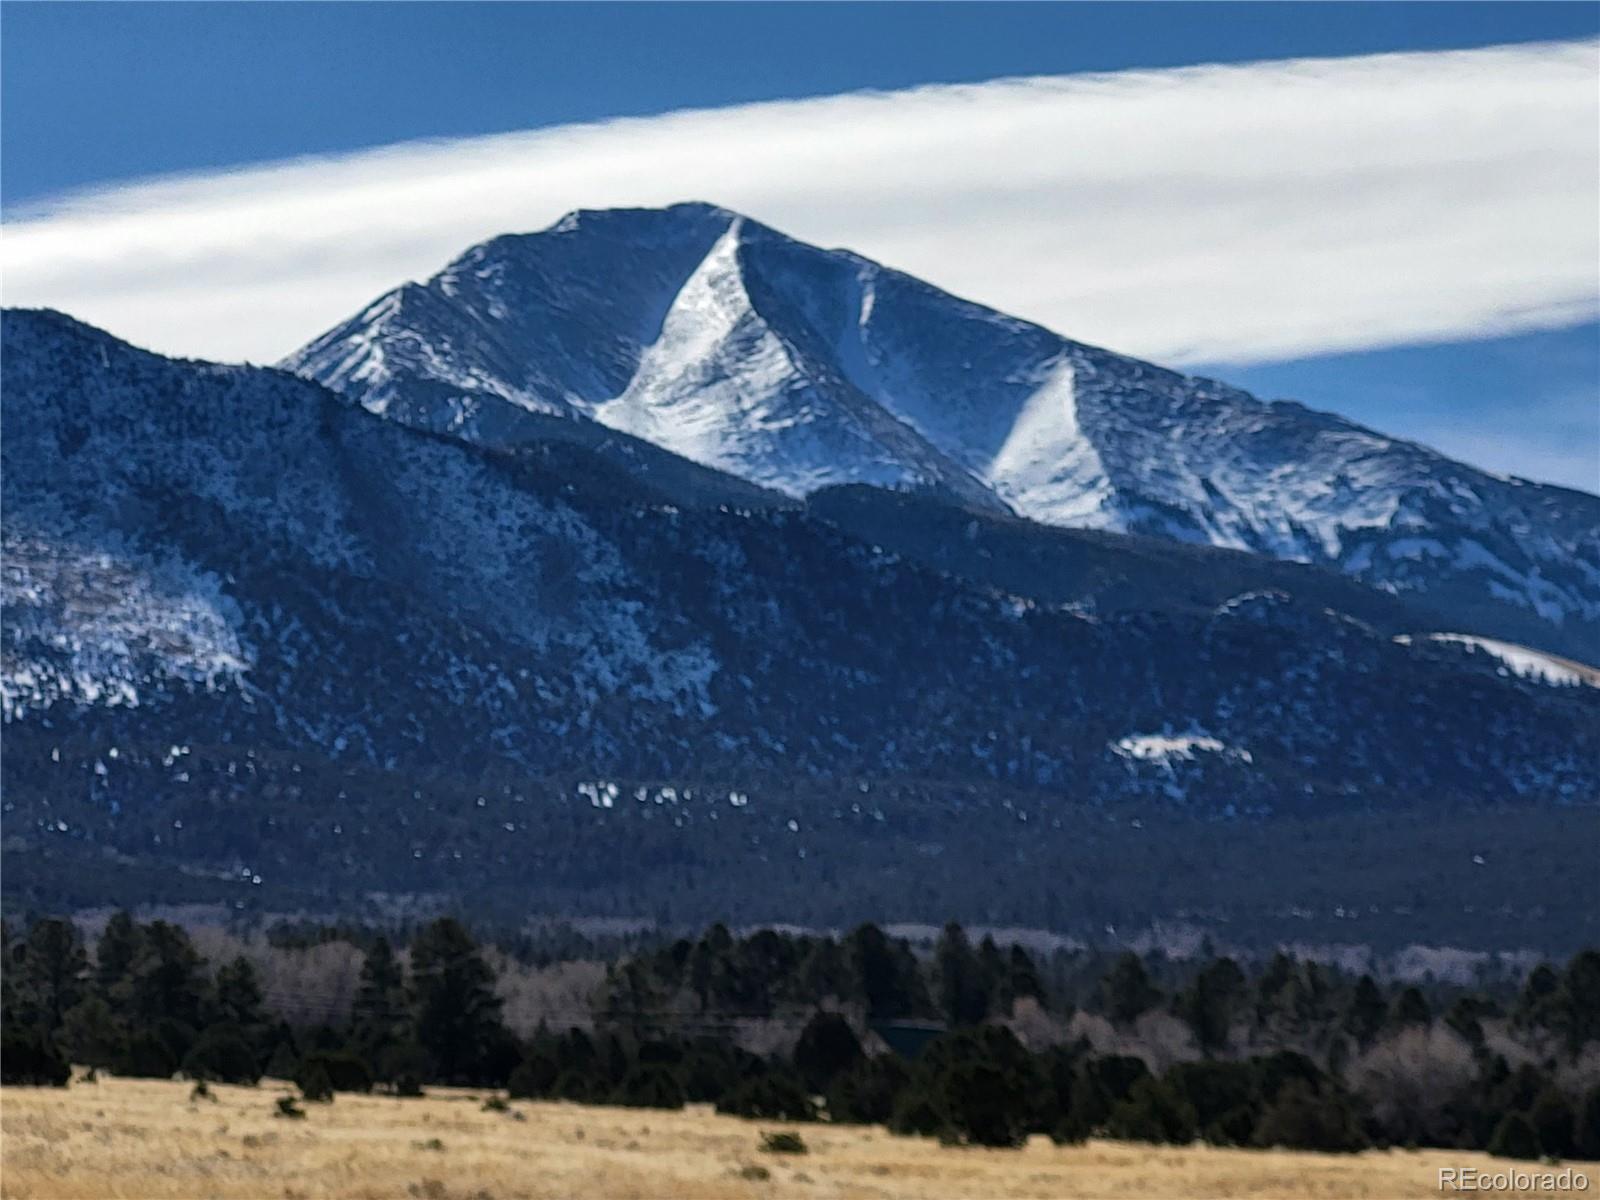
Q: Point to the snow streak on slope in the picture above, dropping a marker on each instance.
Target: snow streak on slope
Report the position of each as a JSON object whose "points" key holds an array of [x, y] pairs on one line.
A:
{"points": [[719, 386], [795, 367]]}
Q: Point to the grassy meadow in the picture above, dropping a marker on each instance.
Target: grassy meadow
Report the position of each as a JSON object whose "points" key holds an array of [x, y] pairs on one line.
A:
{"points": [[136, 1139]]}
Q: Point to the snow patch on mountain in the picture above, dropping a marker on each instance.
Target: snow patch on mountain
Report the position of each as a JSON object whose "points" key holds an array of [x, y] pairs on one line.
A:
{"points": [[96, 626], [1165, 749]]}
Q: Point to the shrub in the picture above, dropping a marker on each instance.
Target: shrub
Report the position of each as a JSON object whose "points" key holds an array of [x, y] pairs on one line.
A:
{"points": [[177, 1037], [1236, 1127], [1070, 1130], [403, 1058], [1224, 1096], [769, 1097], [990, 1090], [91, 1034], [1277, 1071], [866, 1094], [314, 1083], [1153, 1112], [917, 1114], [284, 1062], [344, 1072], [577, 1086], [1299, 1119], [649, 1086], [222, 1054], [1115, 1075], [827, 1048], [1553, 1121], [29, 1059], [147, 1057], [984, 1104], [535, 1077], [783, 1142], [287, 1107], [711, 1069], [1515, 1137]]}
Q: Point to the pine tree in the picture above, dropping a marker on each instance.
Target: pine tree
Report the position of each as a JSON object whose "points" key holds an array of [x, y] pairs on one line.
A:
{"points": [[888, 977], [10, 994], [963, 998], [1411, 1008], [1364, 1015], [238, 996], [91, 1034], [1022, 977], [710, 967], [1126, 991], [1271, 987], [379, 1016], [1463, 1017], [1211, 1001], [1587, 1131], [54, 969], [114, 957], [1538, 996], [284, 1063], [1577, 1004], [827, 1048], [457, 1012], [168, 979], [992, 971], [1307, 999], [824, 971]]}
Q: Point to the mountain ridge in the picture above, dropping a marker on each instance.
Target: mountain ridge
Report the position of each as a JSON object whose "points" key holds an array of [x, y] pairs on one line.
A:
{"points": [[232, 507], [251, 632]]}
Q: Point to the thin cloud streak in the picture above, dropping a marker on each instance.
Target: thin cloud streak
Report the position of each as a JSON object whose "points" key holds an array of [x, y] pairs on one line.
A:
{"points": [[1209, 214]]}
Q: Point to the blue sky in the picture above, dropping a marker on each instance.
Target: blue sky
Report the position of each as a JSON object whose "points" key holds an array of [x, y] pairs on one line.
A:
{"points": [[95, 95], [94, 92]]}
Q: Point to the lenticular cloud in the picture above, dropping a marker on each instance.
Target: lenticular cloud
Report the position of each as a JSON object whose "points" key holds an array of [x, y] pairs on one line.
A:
{"points": [[1206, 214]]}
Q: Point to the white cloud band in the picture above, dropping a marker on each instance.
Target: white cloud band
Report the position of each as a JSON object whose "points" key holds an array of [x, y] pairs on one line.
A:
{"points": [[1230, 213]]}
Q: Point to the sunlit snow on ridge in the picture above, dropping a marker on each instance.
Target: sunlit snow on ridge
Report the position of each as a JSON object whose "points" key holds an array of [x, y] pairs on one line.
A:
{"points": [[1520, 660]]}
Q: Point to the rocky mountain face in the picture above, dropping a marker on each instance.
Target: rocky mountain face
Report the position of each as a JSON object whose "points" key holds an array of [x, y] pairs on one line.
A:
{"points": [[251, 626], [795, 368]]}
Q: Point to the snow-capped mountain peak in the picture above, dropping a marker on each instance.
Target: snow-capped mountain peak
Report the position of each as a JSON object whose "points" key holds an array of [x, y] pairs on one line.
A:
{"points": [[726, 342]]}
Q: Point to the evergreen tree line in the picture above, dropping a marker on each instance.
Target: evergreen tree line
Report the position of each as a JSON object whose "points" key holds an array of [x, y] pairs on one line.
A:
{"points": [[1274, 1050]]}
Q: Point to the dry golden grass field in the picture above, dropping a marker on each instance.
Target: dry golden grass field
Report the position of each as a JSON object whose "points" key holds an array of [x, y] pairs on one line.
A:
{"points": [[125, 1139]]}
